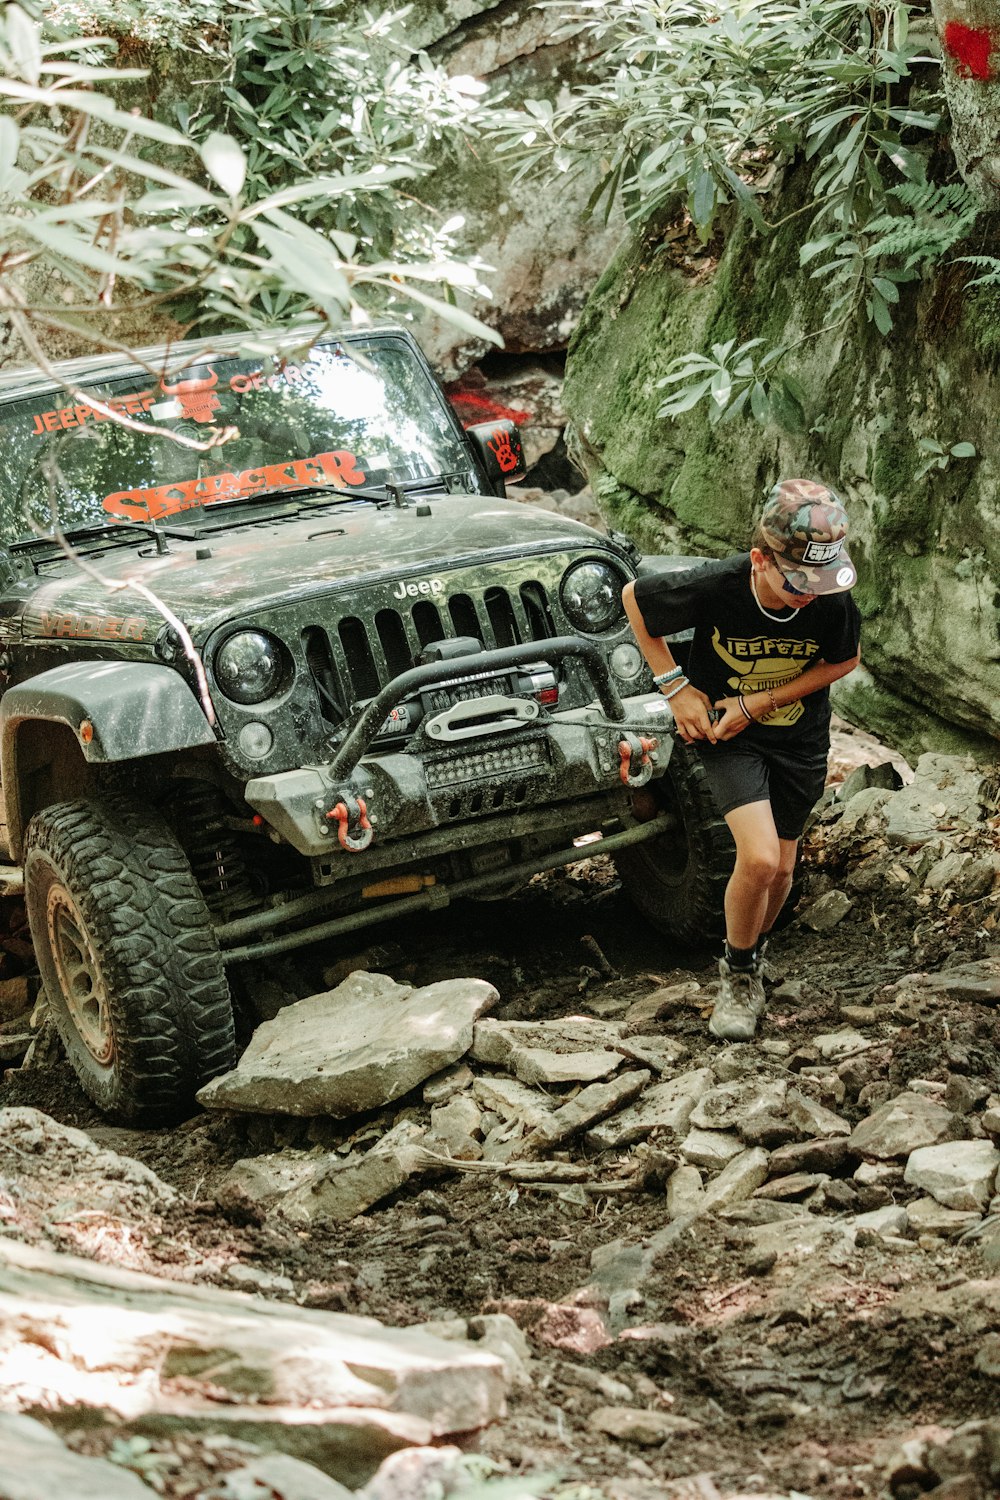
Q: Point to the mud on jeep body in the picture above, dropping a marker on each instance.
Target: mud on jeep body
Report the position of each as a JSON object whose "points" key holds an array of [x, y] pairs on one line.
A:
{"points": [[390, 687]]}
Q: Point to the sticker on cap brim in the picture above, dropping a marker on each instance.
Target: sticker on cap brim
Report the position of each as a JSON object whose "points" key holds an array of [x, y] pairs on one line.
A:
{"points": [[845, 577], [822, 552]]}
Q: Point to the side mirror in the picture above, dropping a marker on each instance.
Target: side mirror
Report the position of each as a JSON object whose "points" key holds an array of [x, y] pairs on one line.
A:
{"points": [[499, 446]]}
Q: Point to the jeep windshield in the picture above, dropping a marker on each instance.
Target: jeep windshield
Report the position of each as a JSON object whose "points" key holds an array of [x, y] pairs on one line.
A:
{"points": [[350, 416]]}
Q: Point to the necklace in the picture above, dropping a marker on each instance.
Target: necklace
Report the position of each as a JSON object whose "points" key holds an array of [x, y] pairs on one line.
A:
{"points": [[780, 619]]}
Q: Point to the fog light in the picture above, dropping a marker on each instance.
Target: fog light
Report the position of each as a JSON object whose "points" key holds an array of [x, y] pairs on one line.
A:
{"points": [[626, 660], [255, 740]]}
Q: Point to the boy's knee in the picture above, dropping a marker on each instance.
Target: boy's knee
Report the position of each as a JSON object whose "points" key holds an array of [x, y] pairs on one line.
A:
{"points": [[762, 865]]}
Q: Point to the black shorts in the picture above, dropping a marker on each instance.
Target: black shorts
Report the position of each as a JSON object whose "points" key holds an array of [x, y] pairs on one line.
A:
{"points": [[742, 771]]}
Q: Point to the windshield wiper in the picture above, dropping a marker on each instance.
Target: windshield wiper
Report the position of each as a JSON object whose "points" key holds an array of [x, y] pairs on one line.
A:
{"points": [[392, 492], [110, 529], [397, 490]]}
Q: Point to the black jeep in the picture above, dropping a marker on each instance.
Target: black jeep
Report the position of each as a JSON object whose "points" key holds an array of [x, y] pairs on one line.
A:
{"points": [[270, 689]]}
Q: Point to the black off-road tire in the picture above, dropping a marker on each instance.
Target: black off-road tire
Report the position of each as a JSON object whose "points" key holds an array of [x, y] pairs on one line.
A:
{"points": [[678, 881], [131, 968]]}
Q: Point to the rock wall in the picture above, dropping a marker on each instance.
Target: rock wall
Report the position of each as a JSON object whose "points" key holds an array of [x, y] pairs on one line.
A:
{"points": [[546, 257], [927, 547]]}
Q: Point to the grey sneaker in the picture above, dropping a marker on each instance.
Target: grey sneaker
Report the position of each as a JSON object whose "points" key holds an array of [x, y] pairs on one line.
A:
{"points": [[739, 1003]]}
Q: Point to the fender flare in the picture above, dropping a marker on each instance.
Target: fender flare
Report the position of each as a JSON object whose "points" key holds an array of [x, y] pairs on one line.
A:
{"points": [[116, 711]]}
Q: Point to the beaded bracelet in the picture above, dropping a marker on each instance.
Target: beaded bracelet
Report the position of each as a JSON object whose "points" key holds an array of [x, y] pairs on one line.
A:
{"points": [[678, 689], [671, 676]]}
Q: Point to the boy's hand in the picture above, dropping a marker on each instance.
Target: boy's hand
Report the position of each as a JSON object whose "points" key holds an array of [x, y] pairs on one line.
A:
{"points": [[691, 715], [732, 719]]}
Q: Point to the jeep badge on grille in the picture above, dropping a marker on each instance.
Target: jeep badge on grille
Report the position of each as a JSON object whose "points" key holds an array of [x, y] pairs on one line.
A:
{"points": [[422, 586]]}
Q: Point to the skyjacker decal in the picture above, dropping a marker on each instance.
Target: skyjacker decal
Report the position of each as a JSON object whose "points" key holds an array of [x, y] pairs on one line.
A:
{"points": [[762, 662], [338, 468]]}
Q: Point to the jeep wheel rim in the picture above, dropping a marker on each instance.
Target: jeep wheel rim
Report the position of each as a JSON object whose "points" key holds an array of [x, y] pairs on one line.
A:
{"points": [[79, 975]]}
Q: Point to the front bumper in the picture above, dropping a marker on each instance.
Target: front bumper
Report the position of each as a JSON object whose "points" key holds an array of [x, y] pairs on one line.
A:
{"points": [[471, 770]]}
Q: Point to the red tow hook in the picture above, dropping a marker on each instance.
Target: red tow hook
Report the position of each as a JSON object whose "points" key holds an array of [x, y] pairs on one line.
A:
{"points": [[353, 828], [636, 768]]}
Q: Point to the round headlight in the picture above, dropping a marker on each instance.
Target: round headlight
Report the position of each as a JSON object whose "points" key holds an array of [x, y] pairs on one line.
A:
{"points": [[248, 666], [592, 596]]}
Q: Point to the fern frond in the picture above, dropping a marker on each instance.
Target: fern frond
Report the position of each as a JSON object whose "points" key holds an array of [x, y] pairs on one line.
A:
{"points": [[936, 199], [990, 265], [938, 216]]}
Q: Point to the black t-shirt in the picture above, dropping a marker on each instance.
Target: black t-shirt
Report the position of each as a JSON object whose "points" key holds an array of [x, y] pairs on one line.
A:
{"points": [[737, 648]]}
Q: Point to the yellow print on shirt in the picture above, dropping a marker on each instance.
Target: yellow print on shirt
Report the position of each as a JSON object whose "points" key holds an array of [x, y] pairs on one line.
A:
{"points": [[763, 661]]}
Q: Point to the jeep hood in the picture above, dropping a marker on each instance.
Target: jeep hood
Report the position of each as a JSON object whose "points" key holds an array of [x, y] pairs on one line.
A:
{"points": [[262, 559]]}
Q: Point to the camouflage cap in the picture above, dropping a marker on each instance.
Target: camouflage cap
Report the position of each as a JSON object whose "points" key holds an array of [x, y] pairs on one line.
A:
{"points": [[805, 526]]}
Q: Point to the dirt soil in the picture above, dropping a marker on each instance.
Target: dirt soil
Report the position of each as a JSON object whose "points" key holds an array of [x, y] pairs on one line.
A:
{"points": [[799, 1376]]}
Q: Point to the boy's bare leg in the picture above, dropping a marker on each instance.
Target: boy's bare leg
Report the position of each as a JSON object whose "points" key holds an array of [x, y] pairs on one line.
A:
{"points": [[783, 883], [755, 894], [758, 868]]}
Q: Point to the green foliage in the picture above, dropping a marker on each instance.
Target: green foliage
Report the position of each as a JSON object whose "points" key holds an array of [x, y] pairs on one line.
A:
{"points": [[733, 379], [988, 267], [937, 457], [921, 222], [314, 88], [307, 90], [163, 23], [699, 106], [276, 227]]}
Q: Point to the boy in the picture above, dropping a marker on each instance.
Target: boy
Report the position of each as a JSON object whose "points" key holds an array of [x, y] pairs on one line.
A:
{"points": [[772, 629]]}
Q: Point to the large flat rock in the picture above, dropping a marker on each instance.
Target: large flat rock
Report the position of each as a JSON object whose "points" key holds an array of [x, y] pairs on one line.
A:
{"points": [[979, 980], [354, 1048], [331, 1389]]}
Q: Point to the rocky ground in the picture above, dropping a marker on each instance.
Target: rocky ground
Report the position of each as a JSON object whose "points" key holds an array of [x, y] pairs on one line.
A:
{"points": [[697, 1270]]}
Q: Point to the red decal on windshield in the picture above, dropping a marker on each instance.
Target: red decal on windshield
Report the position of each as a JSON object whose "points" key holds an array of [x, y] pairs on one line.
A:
{"points": [[338, 468], [256, 380], [197, 397], [78, 416]]}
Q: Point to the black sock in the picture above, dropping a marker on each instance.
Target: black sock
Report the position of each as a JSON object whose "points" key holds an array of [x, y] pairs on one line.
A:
{"points": [[739, 958]]}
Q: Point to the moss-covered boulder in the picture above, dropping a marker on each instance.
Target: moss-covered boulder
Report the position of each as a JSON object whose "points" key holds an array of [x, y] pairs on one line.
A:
{"points": [[927, 545]]}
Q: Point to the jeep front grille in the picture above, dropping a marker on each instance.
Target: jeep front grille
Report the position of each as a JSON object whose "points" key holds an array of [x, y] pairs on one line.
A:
{"points": [[357, 657]]}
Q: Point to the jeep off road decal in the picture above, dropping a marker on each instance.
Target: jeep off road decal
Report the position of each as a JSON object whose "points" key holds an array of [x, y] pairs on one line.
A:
{"points": [[339, 468], [194, 399], [78, 416]]}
